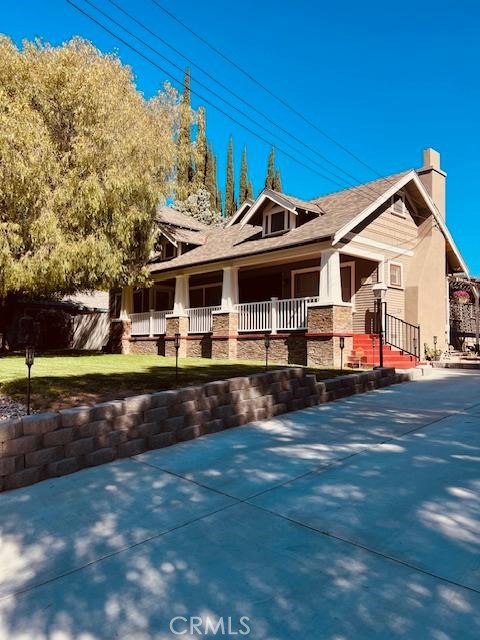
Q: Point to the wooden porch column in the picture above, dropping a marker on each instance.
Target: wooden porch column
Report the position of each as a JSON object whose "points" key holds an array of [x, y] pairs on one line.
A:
{"points": [[182, 296], [229, 288], [330, 288]]}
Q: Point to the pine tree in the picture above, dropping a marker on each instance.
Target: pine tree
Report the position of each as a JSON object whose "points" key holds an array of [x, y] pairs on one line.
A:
{"points": [[201, 151], [184, 144], [269, 180], [230, 205], [277, 181]]}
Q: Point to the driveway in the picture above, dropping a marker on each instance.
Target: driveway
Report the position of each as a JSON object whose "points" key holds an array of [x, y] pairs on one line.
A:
{"points": [[354, 520]]}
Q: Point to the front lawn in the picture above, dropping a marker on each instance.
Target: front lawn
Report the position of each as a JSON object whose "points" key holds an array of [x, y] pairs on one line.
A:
{"points": [[67, 380]]}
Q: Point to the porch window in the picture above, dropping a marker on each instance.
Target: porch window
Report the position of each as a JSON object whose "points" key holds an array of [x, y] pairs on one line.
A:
{"points": [[306, 283], [141, 300], [162, 299], [208, 295], [396, 275]]}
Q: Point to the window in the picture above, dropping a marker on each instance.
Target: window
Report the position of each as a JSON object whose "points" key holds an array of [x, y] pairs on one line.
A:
{"points": [[396, 274], [166, 249], [141, 300], [162, 298], [209, 295], [277, 221], [398, 205]]}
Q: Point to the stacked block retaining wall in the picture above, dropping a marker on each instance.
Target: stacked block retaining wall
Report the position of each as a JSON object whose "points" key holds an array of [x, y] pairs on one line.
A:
{"points": [[52, 444]]}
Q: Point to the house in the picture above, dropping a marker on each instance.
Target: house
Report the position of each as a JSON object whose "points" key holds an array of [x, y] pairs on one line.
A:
{"points": [[304, 271]]}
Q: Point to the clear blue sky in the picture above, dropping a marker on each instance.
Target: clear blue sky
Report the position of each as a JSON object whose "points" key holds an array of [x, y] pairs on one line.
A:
{"points": [[384, 79]]}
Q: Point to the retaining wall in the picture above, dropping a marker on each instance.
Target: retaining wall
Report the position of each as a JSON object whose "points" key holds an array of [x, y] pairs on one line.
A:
{"points": [[52, 444]]}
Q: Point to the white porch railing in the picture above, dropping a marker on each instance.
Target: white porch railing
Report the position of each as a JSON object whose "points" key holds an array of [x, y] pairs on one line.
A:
{"points": [[200, 319], [149, 323], [274, 315]]}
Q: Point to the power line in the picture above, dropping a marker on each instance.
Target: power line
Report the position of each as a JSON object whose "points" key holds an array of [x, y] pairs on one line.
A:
{"points": [[233, 93], [255, 122], [262, 86], [217, 95], [201, 97]]}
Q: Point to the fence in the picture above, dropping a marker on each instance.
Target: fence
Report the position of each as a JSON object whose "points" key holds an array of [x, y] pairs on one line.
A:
{"points": [[149, 323], [200, 319], [274, 315]]}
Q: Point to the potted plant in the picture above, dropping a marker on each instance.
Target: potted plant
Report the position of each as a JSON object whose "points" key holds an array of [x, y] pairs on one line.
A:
{"points": [[461, 296]]}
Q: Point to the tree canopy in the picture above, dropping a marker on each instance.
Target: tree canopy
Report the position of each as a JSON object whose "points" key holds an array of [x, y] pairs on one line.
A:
{"points": [[84, 160]]}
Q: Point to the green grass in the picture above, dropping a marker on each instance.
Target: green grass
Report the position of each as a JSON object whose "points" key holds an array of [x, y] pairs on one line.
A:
{"points": [[68, 380]]}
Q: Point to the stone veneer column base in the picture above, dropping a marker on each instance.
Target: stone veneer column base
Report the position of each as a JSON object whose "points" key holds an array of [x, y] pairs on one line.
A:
{"points": [[120, 332], [225, 335], [326, 324], [176, 324]]}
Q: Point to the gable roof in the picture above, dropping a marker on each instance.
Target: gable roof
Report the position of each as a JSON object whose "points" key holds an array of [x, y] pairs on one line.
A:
{"points": [[336, 215]]}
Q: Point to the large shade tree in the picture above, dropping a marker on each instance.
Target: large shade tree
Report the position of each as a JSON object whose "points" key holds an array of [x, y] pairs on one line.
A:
{"points": [[84, 160]]}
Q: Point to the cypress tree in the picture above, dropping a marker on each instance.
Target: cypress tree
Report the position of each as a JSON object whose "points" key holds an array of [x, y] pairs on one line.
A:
{"points": [[230, 205], [250, 190], [243, 192], [210, 177], [270, 178], [277, 181], [201, 151], [184, 144]]}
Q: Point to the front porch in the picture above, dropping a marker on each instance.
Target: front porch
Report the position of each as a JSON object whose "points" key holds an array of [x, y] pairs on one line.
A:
{"points": [[318, 303]]}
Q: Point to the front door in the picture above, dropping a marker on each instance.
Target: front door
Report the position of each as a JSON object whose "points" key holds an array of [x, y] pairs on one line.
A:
{"points": [[346, 278]]}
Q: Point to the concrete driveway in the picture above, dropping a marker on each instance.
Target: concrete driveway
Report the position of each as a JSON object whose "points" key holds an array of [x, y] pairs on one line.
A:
{"points": [[358, 519]]}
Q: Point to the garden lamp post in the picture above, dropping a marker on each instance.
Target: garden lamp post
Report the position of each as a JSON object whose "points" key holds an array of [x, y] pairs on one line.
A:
{"points": [[177, 347], [266, 342], [379, 293], [342, 347], [29, 360]]}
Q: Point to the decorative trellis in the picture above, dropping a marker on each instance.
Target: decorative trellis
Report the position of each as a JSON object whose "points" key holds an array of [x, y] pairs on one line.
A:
{"points": [[462, 314]]}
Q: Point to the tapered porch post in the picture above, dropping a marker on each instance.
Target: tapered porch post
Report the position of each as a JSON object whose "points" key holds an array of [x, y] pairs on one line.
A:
{"points": [[229, 288], [182, 295], [330, 288]]}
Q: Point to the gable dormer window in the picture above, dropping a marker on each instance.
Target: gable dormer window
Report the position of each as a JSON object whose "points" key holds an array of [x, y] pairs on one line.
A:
{"points": [[277, 221], [398, 205]]}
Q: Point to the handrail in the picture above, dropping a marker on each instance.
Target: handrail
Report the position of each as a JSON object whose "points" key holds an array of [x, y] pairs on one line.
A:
{"points": [[402, 335]]}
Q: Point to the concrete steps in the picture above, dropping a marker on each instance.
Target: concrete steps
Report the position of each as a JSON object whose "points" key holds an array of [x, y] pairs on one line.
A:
{"points": [[366, 353]]}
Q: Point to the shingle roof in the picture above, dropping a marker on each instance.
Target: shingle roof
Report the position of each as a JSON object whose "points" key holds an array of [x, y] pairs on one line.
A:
{"points": [[171, 216], [334, 211]]}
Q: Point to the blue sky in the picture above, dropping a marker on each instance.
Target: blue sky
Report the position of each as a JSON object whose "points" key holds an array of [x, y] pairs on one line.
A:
{"points": [[384, 79]]}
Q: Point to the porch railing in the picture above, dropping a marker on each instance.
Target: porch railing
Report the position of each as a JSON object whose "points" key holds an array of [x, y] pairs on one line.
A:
{"points": [[148, 323], [200, 319], [274, 315], [402, 335]]}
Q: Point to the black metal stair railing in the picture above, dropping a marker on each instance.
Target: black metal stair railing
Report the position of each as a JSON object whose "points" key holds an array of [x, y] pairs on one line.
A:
{"points": [[402, 335]]}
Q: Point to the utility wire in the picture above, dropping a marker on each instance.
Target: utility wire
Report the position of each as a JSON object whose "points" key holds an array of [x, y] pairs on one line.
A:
{"points": [[356, 181], [255, 122], [201, 97], [262, 86], [217, 95]]}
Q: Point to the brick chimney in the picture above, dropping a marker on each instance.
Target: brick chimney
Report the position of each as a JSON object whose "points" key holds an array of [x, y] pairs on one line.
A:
{"points": [[433, 178]]}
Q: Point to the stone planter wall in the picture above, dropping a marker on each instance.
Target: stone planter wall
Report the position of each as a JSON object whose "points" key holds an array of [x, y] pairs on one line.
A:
{"points": [[52, 444]]}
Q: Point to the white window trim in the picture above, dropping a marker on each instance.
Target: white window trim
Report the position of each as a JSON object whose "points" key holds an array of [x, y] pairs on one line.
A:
{"points": [[395, 264], [399, 214], [350, 264], [288, 221]]}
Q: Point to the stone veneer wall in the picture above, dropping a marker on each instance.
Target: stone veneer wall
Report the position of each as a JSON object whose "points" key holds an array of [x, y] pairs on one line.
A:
{"points": [[52, 444], [325, 326]]}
